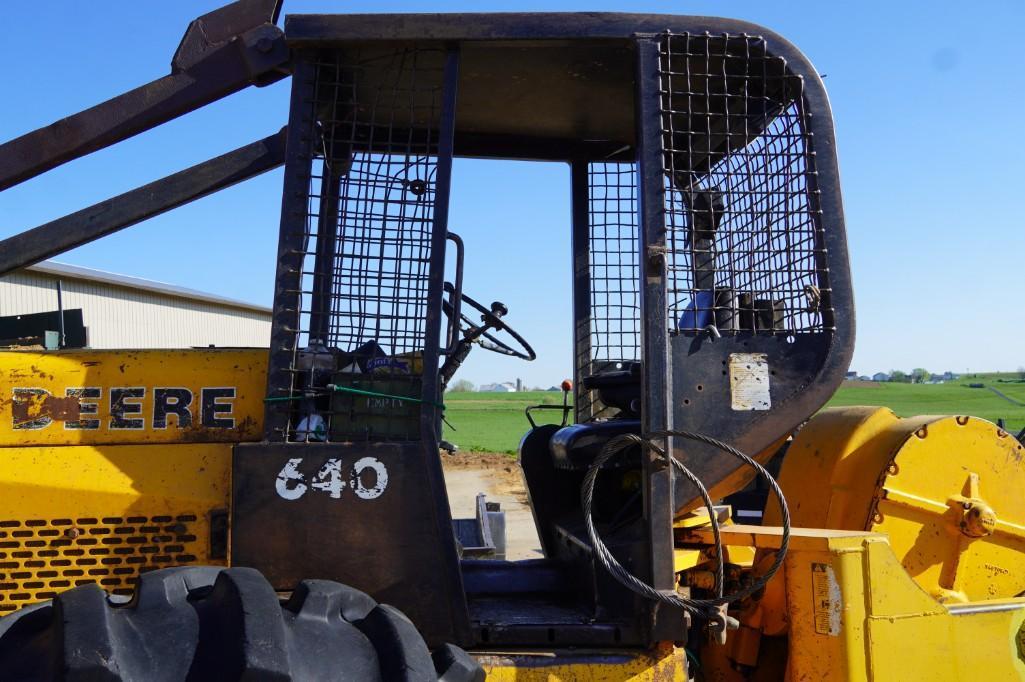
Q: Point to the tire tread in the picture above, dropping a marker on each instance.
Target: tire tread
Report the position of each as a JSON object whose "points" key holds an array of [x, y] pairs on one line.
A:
{"points": [[201, 623]]}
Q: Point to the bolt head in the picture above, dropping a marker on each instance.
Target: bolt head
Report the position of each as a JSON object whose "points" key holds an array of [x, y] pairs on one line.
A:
{"points": [[979, 520]]}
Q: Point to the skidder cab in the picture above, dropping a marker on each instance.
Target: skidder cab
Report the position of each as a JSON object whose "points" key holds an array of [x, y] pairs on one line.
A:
{"points": [[712, 318], [709, 283]]}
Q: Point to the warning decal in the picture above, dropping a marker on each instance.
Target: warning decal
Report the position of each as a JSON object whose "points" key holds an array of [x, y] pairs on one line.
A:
{"points": [[828, 603], [749, 381]]}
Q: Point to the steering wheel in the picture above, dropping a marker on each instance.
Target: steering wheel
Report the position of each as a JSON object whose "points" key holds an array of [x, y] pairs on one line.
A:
{"points": [[477, 332]]}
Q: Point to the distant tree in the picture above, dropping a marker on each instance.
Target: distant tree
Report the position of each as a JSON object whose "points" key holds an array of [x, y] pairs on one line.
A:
{"points": [[461, 386], [919, 375], [1021, 373], [898, 376]]}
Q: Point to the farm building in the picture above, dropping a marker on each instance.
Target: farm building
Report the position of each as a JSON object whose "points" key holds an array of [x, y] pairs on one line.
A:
{"points": [[504, 387], [106, 310]]}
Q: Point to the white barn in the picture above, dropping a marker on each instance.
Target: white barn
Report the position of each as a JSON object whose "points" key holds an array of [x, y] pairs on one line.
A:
{"points": [[128, 312], [504, 387]]}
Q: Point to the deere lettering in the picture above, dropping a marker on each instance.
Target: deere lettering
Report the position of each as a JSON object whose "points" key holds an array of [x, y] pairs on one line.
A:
{"points": [[79, 408]]}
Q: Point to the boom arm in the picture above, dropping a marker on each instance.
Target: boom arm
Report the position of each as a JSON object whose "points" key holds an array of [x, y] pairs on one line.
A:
{"points": [[221, 53], [142, 203]]}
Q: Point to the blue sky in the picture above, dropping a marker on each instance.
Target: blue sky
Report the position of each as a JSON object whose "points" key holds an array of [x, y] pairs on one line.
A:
{"points": [[928, 99]]}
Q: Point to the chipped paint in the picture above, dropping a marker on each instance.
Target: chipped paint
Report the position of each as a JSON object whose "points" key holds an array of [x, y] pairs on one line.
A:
{"points": [[666, 663], [86, 397], [33, 408]]}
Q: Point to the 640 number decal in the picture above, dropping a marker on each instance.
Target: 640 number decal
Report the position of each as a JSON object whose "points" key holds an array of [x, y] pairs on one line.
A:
{"points": [[367, 479]]}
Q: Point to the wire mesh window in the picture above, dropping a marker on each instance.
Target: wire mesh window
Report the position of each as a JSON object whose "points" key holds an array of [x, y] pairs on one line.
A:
{"points": [[744, 226], [367, 253], [615, 311], [613, 251]]}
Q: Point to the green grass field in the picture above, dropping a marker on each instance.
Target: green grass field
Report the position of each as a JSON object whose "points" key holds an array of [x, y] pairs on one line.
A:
{"points": [[494, 422], [951, 398]]}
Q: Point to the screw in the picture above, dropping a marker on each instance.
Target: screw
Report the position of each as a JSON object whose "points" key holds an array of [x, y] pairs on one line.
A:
{"points": [[72, 533]]}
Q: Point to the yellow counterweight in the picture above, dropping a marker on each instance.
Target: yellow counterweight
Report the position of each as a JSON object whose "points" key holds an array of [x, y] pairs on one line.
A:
{"points": [[948, 491]]}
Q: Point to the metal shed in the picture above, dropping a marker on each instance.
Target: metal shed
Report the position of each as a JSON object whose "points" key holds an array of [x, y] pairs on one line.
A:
{"points": [[128, 312]]}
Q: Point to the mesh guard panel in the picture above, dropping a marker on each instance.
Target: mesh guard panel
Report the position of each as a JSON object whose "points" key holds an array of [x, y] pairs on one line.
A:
{"points": [[744, 234], [366, 260], [614, 323], [755, 343]]}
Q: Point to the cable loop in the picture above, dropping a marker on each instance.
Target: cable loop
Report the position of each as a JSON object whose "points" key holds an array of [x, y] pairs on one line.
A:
{"points": [[709, 609]]}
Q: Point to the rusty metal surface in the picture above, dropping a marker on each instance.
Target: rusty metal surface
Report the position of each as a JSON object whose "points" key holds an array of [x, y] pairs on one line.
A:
{"points": [[47, 408], [224, 24], [362, 514]]}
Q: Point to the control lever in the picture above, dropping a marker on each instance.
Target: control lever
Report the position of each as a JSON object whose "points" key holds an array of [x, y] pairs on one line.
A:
{"points": [[567, 386]]}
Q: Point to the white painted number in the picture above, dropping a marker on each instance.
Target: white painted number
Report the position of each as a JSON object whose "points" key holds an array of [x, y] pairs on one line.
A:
{"points": [[290, 481], [380, 478], [329, 478], [368, 479]]}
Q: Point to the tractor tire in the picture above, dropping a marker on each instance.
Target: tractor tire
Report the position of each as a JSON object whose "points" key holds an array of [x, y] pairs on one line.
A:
{"points": [[212, 623]]}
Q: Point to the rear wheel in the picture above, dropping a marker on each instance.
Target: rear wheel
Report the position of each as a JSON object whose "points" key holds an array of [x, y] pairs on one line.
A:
{"points": [[200, 623]]}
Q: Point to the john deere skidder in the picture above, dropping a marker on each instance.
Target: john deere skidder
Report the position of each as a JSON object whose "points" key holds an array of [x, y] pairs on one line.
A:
{"points": [[713, 317]]}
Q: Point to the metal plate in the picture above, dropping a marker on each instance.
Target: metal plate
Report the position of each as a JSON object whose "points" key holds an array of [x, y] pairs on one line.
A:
{"points": [[362, 514]]}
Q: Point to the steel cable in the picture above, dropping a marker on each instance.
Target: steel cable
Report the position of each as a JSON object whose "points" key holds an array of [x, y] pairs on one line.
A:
{"points": [[703, 608]]}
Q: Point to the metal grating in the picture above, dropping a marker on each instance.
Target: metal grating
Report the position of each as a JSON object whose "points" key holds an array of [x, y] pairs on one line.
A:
{"points": [[40, 558], [367, 255], [744, 233], [613, 275], [615, 295]]}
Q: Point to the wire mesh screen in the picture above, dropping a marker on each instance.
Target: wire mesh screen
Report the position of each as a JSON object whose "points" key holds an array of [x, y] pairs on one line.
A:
{"points": [[744, 233], [615, 310], [613, 250], [358, 360]]}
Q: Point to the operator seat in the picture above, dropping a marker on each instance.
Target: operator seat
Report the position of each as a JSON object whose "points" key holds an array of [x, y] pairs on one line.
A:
{"points": [[576, 446], [555, 459]]}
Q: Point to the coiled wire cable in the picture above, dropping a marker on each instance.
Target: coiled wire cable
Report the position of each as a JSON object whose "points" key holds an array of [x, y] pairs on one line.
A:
{"points": [[702, 608]]}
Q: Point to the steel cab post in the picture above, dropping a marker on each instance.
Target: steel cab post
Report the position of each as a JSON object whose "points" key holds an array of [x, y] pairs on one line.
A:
{"points": [[709, 278]]}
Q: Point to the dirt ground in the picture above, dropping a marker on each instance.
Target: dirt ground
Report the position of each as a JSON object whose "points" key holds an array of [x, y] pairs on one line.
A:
{"points": [[497, 476]]}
